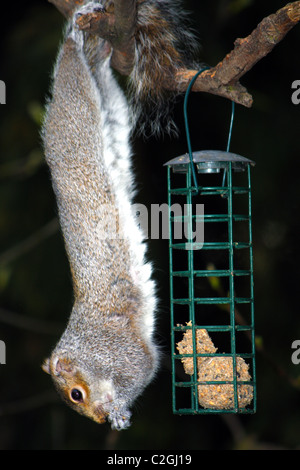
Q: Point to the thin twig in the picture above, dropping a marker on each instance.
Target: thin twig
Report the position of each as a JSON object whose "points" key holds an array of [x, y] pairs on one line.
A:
{"points": [[29, 243], [25, 322], [28, 404]]}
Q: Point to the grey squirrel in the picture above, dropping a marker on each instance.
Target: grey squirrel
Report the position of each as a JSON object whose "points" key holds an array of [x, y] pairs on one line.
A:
{"points": [[107, 354]]}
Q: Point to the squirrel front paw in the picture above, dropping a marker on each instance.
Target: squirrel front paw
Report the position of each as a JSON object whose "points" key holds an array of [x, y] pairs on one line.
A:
{"points": [[119, 419]]}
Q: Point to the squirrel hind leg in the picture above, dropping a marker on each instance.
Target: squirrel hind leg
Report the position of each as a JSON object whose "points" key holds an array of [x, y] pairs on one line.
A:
{"points": [[74, 33]]}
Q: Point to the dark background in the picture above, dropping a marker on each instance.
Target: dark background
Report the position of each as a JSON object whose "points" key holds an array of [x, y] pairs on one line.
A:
{"points": [[35, 285]]}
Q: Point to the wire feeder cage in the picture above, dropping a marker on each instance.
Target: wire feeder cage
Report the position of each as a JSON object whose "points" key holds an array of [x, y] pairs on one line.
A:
{"points": [[211, 286], [211, 281]]}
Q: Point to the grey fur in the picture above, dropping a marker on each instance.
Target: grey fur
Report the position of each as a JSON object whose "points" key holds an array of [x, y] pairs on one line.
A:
{"points": [[107, 349]]}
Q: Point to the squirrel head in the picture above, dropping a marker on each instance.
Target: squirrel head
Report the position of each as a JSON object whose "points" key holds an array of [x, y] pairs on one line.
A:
{"points": [[73, 386]]}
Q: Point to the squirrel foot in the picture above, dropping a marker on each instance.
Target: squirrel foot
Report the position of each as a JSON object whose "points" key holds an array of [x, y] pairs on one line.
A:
{"points": [[75, 33], [89, 7]]}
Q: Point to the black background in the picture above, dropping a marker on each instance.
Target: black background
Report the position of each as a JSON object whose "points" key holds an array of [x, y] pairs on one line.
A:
{"points": [[35, 281]]}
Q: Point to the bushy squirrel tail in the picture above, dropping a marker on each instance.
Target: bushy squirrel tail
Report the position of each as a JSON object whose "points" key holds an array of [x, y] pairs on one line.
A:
{"points": [[164, 43]]}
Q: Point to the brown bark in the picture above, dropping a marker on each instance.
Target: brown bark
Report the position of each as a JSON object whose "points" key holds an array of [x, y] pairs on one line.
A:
{"points": [[66, 7], [223, 79]]}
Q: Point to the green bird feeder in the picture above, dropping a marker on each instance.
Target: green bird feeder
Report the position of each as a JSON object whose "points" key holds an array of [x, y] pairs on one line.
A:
{"points": [[211, 284], [211, 281]]}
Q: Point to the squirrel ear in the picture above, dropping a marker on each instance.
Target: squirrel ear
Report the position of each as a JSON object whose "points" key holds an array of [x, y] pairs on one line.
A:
{"points": [[58, 365], [62, 364], [46, 366]]}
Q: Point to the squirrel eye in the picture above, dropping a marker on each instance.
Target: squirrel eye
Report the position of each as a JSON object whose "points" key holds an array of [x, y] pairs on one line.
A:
{"points": [[76, 395]]}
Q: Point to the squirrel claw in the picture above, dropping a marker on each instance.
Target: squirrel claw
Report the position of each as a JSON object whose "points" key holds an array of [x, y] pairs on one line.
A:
{"points": [[90, 7]]}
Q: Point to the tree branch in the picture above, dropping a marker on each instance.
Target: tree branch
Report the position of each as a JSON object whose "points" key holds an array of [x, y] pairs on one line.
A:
{"points": [[211, 81], [118, 26], [223, 78], [67, 7]]}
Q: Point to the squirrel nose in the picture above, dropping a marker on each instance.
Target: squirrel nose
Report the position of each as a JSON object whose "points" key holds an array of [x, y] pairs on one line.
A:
{"points": [[100, 415]]}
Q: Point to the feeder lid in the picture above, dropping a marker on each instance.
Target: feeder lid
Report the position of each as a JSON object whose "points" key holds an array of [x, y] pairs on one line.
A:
{"points": [[209, 161]]}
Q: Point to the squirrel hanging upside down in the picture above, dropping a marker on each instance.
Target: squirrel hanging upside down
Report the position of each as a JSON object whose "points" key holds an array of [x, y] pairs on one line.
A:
{"points": [[107, 354]]}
